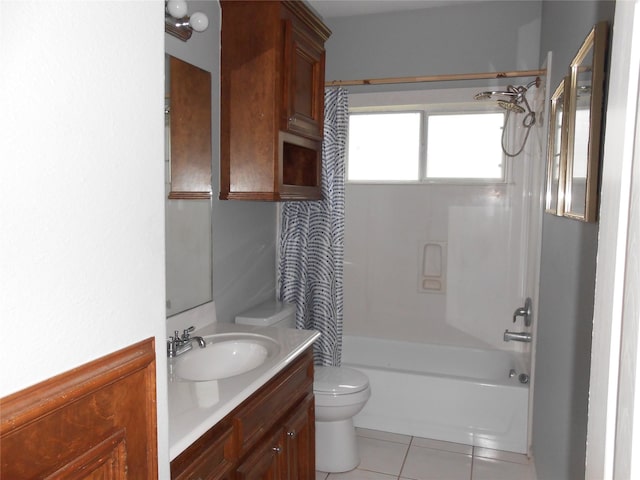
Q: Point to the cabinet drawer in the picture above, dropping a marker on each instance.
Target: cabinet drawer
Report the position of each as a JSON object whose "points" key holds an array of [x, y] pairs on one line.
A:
{"points": [[272, 402], [210, 457]]}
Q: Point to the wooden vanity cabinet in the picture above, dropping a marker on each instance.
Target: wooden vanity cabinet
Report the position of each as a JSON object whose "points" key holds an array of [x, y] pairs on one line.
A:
{"points": [[271, 435], [272, 101]]}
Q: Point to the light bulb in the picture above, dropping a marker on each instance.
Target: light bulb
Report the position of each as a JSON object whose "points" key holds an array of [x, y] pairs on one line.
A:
{"points": [[177, 8], [199, 22]]}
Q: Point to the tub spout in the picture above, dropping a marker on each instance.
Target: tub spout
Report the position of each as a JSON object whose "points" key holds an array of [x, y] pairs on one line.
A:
{"points": [[517, 336]]}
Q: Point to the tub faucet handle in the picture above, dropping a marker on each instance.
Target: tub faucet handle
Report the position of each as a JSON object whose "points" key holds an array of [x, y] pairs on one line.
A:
{"points": [[524, 312]]}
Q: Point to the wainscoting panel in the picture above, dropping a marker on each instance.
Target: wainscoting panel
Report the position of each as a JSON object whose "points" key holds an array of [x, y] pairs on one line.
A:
{"points": [[97, 421]]}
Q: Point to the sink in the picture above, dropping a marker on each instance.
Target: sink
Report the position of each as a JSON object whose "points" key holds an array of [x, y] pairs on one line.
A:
{"points": [[226, 355]]}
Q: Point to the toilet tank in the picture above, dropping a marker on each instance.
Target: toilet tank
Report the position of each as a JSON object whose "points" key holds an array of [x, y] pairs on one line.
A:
{"points": [[271, 313]]}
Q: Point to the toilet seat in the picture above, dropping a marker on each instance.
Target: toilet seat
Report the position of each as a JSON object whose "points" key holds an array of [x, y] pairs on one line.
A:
{"points": [[336, 381]]}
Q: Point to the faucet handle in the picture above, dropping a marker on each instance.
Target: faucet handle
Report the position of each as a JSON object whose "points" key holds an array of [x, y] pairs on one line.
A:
{"points": [[520, 312], [524, 312], [171, 347], [186, 332]]}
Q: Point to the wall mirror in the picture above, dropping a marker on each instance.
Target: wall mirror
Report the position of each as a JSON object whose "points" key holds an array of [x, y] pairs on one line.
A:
{"points": [[585, 109], [557, 149], [188, 227]]}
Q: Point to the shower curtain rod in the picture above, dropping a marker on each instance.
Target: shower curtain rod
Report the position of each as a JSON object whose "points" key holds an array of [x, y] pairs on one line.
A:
{"points": [[436, 78]]}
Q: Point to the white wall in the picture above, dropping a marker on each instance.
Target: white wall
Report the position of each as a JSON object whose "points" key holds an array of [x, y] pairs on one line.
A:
{"points": [[614, 393], [82, 243]]}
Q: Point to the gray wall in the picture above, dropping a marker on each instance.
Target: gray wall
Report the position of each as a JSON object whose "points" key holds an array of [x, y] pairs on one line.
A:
{"points": [[567, 277], [466, 38], [243, 232]]}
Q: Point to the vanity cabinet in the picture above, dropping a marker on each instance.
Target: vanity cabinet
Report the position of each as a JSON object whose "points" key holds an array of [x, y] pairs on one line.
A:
{"points": [[271, 435], [272, 100]]}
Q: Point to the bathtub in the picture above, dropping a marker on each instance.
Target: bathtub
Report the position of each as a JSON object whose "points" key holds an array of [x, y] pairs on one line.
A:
{"points": [[453, 394]]}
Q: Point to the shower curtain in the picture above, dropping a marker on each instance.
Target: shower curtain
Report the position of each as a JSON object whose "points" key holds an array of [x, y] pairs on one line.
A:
{"points": [[311, 253]]}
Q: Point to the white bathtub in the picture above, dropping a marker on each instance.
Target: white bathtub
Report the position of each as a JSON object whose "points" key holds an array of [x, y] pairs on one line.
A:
{"points": [[453, 394]]}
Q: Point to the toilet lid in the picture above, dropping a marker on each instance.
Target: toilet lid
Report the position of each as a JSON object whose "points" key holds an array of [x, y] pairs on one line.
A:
{"points": [[339, 380]]}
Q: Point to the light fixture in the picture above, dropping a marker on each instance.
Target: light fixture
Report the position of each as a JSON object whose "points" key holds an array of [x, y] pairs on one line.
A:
{"points": [[178, 24]]}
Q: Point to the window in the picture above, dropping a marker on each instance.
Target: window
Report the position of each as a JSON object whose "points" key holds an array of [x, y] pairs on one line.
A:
{"points": [[465, 146], [384, 146], [423, 145]]}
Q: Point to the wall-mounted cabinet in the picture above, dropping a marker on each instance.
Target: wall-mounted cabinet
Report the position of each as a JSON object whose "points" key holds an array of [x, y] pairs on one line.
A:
{"points": [[272, 101]]}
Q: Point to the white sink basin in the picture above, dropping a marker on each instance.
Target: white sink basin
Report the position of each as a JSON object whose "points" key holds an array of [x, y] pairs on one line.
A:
{"points": [[226, 355]]}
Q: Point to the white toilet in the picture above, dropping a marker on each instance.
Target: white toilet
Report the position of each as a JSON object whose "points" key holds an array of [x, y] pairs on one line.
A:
{"points": [[339, 392]]}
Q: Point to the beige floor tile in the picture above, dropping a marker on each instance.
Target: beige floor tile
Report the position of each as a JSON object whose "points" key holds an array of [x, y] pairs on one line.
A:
{"points": [[440, 445], [430, 464], [488, 469], [361, 475], [381, 456]]}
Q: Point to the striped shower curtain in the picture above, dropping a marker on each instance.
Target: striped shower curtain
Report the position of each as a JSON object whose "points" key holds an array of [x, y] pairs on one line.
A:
{"points": [[312, 241]]}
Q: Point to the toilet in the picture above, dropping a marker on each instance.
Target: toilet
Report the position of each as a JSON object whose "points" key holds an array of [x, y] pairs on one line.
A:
{"points": [[340, 393]]}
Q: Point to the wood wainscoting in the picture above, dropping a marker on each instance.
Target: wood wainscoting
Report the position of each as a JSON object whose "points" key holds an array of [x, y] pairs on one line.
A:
{"points": [[97, 421]]}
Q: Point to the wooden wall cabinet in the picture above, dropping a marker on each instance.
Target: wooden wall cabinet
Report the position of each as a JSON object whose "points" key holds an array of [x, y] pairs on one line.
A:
{"points": [[272, 101], [270, 435]]}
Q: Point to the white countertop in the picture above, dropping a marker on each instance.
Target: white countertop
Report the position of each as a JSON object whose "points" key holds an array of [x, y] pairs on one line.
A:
{"points": [[195, 407]]}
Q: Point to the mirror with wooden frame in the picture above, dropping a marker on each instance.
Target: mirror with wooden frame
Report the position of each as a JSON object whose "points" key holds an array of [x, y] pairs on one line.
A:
{"points": [[585, 110], [188, 208], [557, 150]]}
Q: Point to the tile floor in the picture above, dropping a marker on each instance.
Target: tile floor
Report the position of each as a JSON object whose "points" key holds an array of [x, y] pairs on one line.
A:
{"points": [[388, 456]]}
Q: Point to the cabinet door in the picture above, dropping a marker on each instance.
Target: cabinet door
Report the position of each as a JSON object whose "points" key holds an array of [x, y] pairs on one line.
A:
{"points": [[303, 94], [299, 441], [211, 457], [265, 461]]}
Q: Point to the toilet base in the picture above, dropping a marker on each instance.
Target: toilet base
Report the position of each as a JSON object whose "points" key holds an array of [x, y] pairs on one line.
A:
{"points": [[336, 447]]}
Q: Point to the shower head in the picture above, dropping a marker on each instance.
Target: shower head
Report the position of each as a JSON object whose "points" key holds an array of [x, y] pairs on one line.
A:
{"points": [[482, 96], [511, 106], [490, 94], [515, 93]]}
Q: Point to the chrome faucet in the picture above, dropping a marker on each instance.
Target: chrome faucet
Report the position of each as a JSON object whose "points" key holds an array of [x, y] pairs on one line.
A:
{"points": [[177, 345], [516, 336]]}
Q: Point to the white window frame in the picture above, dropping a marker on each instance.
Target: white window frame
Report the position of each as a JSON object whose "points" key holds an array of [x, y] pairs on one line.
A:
{"points": [[428, 102]]}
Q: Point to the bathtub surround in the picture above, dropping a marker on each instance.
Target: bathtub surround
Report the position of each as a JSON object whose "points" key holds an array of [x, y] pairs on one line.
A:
{"points": [[312, 241], [482, 233]]}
